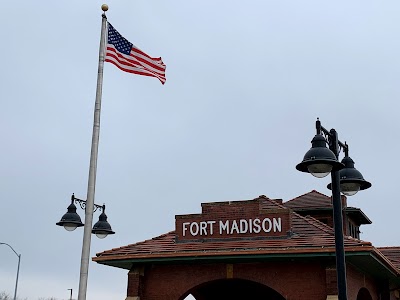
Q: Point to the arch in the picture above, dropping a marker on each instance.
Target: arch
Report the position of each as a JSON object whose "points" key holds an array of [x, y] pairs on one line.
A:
{"points": [[233, 289], [364, 294]]}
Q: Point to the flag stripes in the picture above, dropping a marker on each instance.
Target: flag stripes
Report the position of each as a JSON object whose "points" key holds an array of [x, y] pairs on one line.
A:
{"points": [[131, 59]]}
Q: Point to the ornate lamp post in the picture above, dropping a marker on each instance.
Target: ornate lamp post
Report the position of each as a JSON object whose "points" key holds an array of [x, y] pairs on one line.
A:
{"points": [[19, 261], [71, 220], [320, 161]]}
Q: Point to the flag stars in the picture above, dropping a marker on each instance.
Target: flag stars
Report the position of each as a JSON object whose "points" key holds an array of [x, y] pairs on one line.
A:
{"points": [[129, 58], [120, 43]]}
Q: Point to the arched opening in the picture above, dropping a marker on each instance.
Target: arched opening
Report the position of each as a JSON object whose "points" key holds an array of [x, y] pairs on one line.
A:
{"points": [[363, 294], [233, 289]]}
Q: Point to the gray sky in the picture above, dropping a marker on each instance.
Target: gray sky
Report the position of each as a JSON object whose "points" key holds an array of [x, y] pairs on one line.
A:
{"points": [[245, 84]]}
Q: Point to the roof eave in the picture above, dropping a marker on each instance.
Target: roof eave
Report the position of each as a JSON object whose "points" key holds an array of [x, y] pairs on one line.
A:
{"points": [[245, 255]]}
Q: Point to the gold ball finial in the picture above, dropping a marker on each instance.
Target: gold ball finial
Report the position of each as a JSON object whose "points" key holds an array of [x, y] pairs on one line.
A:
{"points": [[104, 7]]}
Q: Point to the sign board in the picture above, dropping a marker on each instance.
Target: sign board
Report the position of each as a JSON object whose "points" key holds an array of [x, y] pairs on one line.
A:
{"points": [[233, 221]]}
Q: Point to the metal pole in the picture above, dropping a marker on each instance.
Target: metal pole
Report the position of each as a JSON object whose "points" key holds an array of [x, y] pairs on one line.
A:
{"points": [[70, 298], [338, 223], [16, 281], [92, 170], [19, 261]]}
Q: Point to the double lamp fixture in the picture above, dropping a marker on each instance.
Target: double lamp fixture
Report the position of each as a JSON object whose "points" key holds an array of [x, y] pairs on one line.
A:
{"points": [[319, 161], [71, 220]]}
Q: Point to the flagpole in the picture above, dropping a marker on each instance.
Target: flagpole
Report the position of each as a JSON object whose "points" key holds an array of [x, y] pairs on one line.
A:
{"points": [[83, 279]]}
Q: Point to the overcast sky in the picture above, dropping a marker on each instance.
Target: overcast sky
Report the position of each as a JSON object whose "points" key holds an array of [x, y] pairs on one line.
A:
{"points": [[246, 81]]}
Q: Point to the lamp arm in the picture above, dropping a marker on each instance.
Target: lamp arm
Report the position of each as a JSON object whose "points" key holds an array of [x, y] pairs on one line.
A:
{"points": [[11, 248], [82, 203], [332, 138]]}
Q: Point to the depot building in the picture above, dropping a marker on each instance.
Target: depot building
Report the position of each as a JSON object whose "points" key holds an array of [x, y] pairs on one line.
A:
{"points": [[259, 249]]}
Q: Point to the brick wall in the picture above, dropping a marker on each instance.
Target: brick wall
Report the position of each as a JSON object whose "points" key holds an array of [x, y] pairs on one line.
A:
{"points": [[357, 280], [293, 280]]}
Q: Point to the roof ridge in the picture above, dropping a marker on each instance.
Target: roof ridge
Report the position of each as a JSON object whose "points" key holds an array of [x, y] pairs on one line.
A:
{"points": [[275, 202], [313, 191]]}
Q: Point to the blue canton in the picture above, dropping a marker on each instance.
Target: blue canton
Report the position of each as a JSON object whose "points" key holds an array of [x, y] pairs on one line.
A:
{"points": [[119, 42]]}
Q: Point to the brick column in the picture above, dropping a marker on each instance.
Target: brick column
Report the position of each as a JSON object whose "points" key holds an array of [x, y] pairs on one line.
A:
{"points": [[331, 284], [135, 283]]}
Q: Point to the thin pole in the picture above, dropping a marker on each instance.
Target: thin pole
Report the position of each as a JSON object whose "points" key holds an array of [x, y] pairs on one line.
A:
{"points": [[338, 224], [92, 170], [19, 261], [16, 281]]}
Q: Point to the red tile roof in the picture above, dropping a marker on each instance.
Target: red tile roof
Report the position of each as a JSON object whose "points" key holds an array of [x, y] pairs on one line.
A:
{"points": [[393, 254], [315, 200], [308, 235], [312, 199]]}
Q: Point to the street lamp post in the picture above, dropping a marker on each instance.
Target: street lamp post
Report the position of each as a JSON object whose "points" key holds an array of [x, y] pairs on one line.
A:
{"points": [[71, 220], [320, 161], [19, 261]]}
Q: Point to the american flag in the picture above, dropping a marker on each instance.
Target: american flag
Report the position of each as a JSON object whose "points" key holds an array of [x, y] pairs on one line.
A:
{"points": [[129, 58]]}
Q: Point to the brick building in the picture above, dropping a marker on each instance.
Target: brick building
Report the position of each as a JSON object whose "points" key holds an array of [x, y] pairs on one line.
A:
{"points": [[258, 249]]}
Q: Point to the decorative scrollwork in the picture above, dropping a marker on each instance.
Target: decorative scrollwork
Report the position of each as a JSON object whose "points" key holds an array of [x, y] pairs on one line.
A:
{"points": [[340, 147], [96, 207], [326, 135], [82, 204]]}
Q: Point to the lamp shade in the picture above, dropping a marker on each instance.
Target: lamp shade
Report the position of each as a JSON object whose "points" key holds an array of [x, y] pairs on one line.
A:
{"points": [[102, 228], [319, 160], [351, 180], [71, 219]]}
